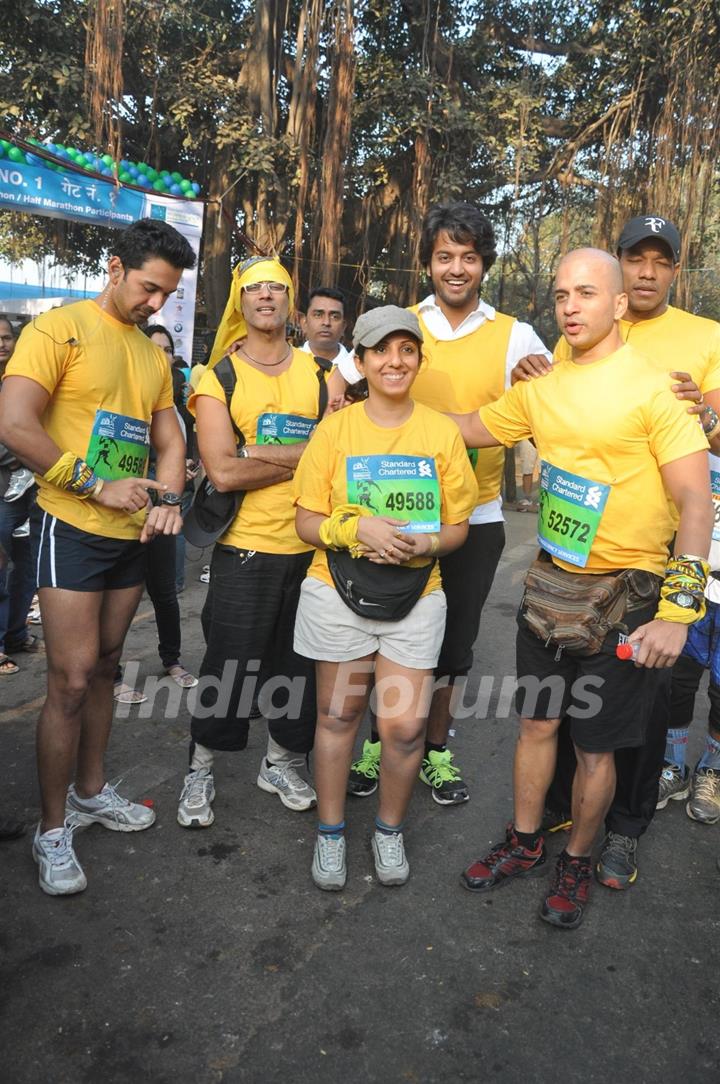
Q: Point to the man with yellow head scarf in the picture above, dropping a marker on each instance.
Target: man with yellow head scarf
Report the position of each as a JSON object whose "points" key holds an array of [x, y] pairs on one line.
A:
{"points": [[259, 562]]}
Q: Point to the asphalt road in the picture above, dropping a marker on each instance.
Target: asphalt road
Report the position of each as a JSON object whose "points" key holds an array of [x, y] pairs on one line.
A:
{"points": [[209, 956]]}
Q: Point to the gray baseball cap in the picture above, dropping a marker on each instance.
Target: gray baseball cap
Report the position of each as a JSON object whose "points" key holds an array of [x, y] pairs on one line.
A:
{"points": [[650, 226], [375, 324]]}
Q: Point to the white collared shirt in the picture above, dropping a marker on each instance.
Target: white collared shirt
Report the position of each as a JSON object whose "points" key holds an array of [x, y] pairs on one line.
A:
{"points": [[344, 361], [523, 340]]}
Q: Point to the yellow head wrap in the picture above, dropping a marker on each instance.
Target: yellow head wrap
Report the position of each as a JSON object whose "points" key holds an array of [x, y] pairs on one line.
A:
{"points": [[232, 326]]}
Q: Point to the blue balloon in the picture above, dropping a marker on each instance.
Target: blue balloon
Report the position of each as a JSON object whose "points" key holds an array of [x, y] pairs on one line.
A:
{"points": [[196, 188], [106, 172], [144, 180], [176, 190], [132, 170], [33, 160]]}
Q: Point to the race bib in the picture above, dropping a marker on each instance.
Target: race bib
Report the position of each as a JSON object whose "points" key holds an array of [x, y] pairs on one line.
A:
{"points": [[405, 487], [119, 446], [284, 428], [715, 487], [571, 508]]}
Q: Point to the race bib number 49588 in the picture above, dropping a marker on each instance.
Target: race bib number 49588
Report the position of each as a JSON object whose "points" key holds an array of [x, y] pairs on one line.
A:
{"points": [[571, 508], [402, 486]]}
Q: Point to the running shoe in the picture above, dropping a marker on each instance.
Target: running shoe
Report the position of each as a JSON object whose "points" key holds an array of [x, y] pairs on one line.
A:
{"points": [[704, 804], [674, 785], [438, 772], [107, 808], [196, 798], [329, 866], [565, 903], [503, 862], [391, 865], [617, 866], [363, 778], [20, 482], [59, 872], [284, 780]]}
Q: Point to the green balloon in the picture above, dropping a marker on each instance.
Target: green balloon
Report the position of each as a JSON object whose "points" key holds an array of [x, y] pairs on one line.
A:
{"points": [[16, 155], [107, 160], [159, 185], [125, 177], [177, 177], [152, 174], [186, 186], [4, 144], [143, 167]]}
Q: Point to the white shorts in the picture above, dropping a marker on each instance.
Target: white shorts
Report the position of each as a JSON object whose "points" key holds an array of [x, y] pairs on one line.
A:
{"points": [[528, 457], [328, 630]]}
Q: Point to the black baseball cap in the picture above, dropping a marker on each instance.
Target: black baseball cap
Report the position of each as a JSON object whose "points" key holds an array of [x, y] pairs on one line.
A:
{"points": [[650, 226]]}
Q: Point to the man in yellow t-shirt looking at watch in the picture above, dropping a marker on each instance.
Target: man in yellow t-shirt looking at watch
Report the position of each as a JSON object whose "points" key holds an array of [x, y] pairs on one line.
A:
{"points": [[84, 397]]}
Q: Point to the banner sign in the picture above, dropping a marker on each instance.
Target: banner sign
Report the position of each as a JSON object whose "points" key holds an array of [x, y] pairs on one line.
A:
{"points": [[73, 195]]}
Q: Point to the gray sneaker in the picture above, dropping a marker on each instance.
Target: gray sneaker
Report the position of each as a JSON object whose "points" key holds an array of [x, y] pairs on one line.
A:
{"points": [[704, 804], [283, 779], [674, 785], [391, 865], [195, 809], [107, 808], [329, 868], [20, 482], [59, 872]]}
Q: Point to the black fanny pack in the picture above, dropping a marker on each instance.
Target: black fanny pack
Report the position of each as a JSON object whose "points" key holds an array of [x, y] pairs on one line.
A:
{"points": [[380, 592]]}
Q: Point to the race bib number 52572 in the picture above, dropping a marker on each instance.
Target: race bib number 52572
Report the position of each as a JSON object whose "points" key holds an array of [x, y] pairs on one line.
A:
{"points": [[571, 508]]}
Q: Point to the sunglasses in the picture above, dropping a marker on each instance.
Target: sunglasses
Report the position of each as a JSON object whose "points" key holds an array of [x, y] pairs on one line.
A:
{"points": [[273, 287]]}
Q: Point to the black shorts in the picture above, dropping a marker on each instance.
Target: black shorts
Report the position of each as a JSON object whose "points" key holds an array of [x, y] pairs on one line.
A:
{"points": [[607, 700], [74, 560], [467, 576]]}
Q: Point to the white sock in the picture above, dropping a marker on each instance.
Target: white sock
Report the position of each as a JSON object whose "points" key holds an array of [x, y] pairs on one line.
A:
{"points": [[202, 758], [277, 754]]}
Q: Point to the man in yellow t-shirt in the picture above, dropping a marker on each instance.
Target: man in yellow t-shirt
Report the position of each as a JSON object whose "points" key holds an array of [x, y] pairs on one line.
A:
{"points": [[259, 562], [686, 350], [84, 397], [608, 461], [470, 349]]}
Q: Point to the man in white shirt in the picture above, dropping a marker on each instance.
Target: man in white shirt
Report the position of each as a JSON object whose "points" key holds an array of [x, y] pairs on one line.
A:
{"points": [[324, 326], [470, 351]]}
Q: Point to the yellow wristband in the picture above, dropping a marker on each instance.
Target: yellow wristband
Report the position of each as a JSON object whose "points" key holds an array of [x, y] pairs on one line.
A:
{"points": [[61, 471], [679, 615]]}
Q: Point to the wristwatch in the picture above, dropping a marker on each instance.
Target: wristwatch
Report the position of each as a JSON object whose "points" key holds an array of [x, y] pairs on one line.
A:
{"points": [[173, 499]]}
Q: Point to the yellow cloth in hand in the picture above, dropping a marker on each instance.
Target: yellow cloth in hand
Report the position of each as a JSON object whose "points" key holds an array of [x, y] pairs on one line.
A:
{"points": [[340, 531], [233, 326], [61, 471]]}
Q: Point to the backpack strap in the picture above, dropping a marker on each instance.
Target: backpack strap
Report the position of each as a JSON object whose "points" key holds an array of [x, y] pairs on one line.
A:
{"points": [[227, 379]]}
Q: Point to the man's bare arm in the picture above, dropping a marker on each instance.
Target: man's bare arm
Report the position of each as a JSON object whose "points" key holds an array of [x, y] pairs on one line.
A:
{"points": [[474, 433], [22, 404], [218, 451]]}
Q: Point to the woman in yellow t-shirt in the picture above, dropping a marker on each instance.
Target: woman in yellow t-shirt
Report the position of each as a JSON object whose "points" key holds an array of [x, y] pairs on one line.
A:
{"points": [[383, 488]]}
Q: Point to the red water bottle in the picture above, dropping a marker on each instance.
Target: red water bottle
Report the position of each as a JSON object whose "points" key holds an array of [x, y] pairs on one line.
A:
{"points": [[628, 651]]}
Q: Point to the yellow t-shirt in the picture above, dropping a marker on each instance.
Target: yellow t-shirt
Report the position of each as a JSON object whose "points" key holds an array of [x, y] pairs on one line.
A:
{"points": [[676, 341], [104, 388], [612, 423], [463, 374], [268, 409], [427, 451], [196, 374]]}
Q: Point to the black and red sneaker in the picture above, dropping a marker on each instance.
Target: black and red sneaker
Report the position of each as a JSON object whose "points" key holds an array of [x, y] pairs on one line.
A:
{"points": [[504, 861], [565, 903]]}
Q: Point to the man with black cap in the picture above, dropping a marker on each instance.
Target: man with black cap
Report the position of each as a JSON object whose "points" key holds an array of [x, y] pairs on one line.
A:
{"points": [[687, 348]]}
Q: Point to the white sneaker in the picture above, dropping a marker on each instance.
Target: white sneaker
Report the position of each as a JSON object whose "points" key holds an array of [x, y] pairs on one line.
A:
{"points": [[20, 482], [107, 808], [283, 779], [391, 865], [329, 869], [195, 809], [59, 872]]}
